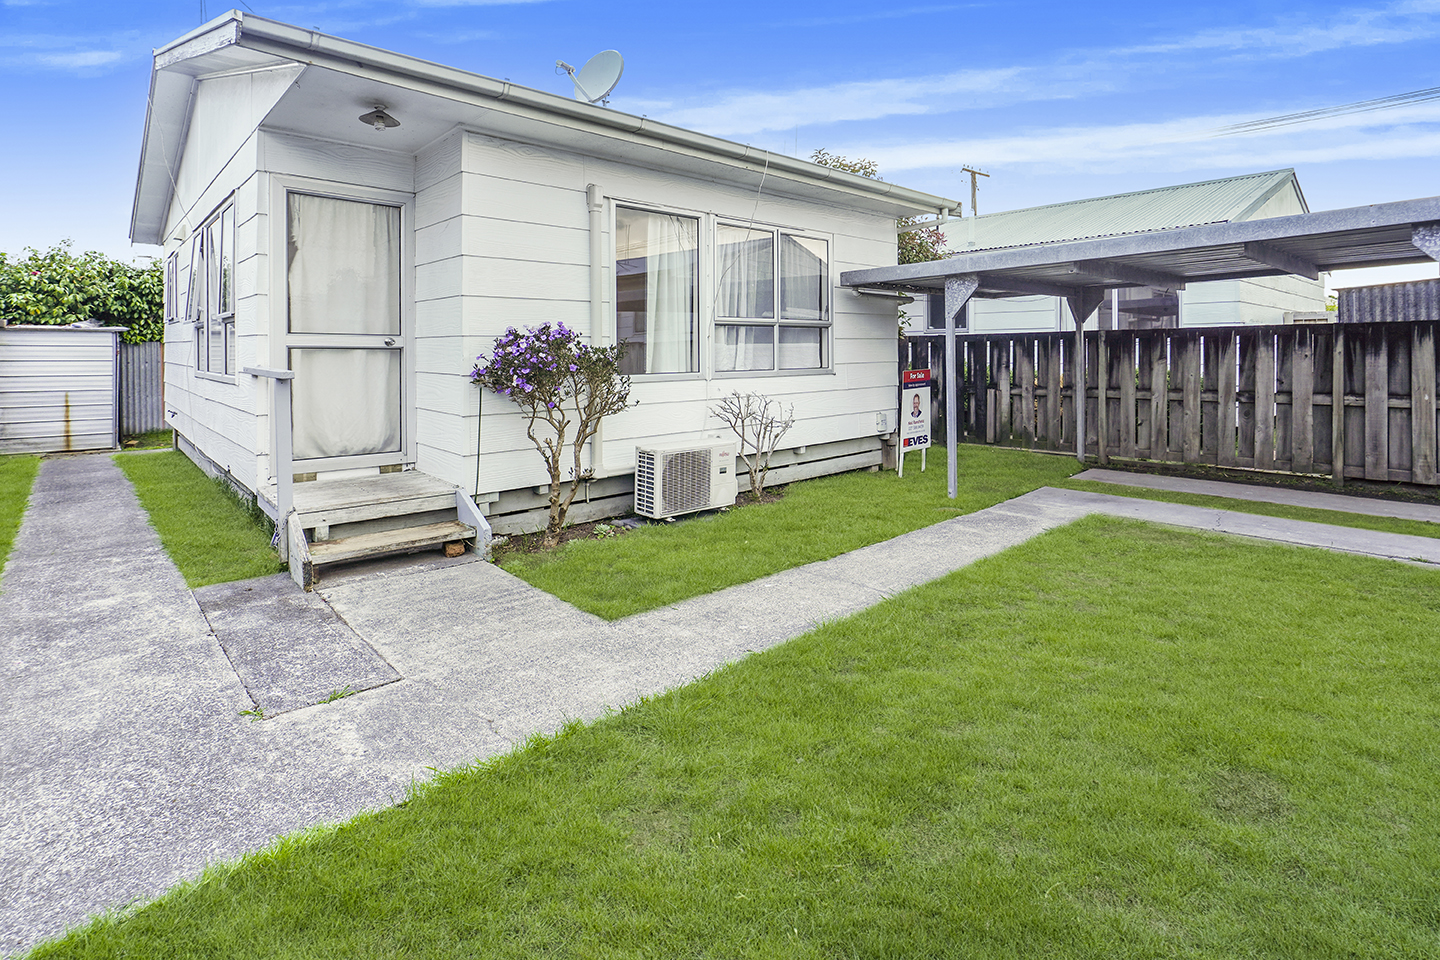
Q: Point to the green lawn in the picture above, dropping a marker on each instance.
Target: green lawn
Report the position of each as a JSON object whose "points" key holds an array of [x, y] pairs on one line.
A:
{"points": [[17, 476], [1414, 528], [207, 531], [1113, 741], [816, 520]]}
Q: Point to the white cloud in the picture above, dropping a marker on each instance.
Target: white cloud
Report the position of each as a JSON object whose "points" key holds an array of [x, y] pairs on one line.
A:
{"points": [[80, 59], [1302, 35], [40, 51], [473, 3], [753, 111], [1179, 144], [738, 113], [872, 15]]}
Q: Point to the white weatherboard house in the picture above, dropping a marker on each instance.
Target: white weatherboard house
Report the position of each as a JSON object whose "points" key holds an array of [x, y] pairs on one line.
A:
{"points": [[356, 270], [1238, 199]]}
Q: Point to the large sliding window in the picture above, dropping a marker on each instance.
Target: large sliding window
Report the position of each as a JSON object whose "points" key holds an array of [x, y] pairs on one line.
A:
{"points": [[211, 307], [772, 300], [657, 271]]}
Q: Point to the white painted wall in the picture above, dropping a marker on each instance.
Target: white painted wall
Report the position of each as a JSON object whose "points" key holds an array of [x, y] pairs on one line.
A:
{"points": [[219, 415], [524, 260], [501, 238]]}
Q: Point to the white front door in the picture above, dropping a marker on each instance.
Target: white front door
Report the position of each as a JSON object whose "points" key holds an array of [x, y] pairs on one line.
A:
{"points": [[345, 331]]}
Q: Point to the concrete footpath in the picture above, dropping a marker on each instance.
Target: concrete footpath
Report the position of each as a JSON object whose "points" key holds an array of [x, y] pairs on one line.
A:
{"points": [[128, 764]]}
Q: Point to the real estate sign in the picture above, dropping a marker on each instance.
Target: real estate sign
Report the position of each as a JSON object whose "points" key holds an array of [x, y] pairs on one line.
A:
{"points": [[914, 410]]}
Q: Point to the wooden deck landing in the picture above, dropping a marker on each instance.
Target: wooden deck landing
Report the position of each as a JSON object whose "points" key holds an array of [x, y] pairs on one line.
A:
{"points": [[338, 521], [339, 497]]}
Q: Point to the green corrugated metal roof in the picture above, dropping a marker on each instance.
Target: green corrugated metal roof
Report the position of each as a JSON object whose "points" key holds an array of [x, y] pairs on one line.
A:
{"points": [[1231, 199]]}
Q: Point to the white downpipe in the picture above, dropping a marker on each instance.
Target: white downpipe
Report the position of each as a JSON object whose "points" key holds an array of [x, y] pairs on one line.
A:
{"points": [[599, 335]]}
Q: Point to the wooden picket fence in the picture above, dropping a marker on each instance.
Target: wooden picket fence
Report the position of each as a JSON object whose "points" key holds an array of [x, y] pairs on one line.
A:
{"points": [[1254, 397]]}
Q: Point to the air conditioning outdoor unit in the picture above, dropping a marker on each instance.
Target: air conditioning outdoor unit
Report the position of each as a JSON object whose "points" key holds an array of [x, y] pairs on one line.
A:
{"points": [[676, 478]]}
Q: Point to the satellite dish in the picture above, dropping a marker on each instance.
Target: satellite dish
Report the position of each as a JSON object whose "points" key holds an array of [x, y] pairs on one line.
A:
{"points": [[594, 81]]}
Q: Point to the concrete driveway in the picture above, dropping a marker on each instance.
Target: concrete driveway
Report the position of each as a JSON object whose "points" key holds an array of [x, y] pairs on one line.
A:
{"points": [[128, 763]]}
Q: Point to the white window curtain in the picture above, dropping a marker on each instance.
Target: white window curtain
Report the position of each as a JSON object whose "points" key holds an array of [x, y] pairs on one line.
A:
{"points": [[345, 402], [800, 348], [746, 273], [343, 266], [657, 276], [740, 347], [670, 278], [803, 278]]}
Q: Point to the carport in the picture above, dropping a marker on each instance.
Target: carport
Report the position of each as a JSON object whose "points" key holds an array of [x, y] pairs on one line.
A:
{"points": [[1083, 272]]}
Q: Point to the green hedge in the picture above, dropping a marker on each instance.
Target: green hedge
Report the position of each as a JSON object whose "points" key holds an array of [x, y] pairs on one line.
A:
{"points": [[60, 287]]}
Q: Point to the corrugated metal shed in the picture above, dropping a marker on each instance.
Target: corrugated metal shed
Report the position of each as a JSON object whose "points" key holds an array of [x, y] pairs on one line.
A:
{"points": [[1228, 200], [1390, 302], [58, 389]]}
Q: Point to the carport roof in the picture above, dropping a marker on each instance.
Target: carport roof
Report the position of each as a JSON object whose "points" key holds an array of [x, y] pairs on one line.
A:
{"points": [[1406, 231]]}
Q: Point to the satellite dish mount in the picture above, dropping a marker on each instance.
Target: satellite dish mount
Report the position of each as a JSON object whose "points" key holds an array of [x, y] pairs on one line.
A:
{"points": [[594, 81]]}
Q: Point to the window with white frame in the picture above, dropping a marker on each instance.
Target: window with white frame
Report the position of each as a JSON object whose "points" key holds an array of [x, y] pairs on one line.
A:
{"points": [[211, 307], [657, 277], [772, 305], [172, 290]]}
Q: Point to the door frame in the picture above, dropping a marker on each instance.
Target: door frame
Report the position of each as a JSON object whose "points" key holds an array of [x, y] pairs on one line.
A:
{"points": [[280, 186]]}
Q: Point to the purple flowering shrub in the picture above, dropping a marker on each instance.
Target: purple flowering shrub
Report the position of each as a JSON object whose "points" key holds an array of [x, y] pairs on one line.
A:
{"points": [[562, 384]]}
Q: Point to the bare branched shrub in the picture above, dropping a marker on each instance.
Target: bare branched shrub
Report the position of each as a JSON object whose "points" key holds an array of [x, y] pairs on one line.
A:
{"points": [[759, 422]]}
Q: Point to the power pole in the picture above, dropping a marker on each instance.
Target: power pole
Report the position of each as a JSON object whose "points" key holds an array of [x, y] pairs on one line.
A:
{"points": [[974, 210]]}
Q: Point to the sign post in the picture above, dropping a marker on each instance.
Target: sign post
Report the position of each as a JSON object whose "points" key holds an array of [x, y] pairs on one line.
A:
{"points": [[914, 416]]}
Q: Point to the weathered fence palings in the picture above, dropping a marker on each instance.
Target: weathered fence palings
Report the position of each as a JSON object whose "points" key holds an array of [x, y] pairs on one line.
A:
{"points": [[142, 387], [1352, 400]]}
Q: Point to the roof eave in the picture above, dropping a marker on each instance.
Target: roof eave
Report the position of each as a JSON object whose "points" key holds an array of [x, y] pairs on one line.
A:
{"points": [[309, 46]]}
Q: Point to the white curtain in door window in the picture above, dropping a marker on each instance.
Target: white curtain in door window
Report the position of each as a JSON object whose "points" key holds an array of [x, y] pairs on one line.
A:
{"points": [[739, 347], [343, 266], [746, 273], [671, 261], [345, 402]]}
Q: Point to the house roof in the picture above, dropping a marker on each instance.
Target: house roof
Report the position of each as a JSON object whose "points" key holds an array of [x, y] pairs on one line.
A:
{"points": [[431, 99], [1406, 231], [1227, 200]]}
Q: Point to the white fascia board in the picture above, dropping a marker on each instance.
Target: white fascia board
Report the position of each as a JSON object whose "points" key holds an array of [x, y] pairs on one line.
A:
{"points": [[167, 120]]}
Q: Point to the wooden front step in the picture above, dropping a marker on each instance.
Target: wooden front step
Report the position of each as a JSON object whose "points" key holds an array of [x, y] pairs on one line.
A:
{"points": [[386, 542], [334, 503]]}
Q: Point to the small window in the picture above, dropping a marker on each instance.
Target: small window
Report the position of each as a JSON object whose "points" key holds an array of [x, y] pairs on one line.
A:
{"points": [[211, 300], [772, 302], [172, 291]]}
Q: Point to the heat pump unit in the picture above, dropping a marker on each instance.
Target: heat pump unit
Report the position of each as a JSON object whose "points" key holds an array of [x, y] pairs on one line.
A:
{"points": [[676, 478]]}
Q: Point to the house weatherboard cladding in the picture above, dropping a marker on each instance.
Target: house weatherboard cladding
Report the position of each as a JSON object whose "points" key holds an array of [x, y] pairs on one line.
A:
{"points": [[504, 207]]}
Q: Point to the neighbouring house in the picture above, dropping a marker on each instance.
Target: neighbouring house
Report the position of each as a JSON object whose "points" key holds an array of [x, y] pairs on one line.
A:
{"points": [[309, 236], [1254, 300]]}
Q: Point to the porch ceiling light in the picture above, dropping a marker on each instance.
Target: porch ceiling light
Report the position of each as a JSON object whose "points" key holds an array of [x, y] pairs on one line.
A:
{"points": [[379, 119]]}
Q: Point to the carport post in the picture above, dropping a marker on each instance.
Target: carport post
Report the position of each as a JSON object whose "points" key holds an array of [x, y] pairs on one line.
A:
{"points": [[1083, 302], [958, 290]]}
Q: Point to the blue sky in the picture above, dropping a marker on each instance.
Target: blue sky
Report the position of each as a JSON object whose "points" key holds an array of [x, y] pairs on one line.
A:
{"points": [[1055, 100]]}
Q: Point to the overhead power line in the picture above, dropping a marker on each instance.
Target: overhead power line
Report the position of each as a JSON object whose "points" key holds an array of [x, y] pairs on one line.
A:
{"points": [[1324, 113]]}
